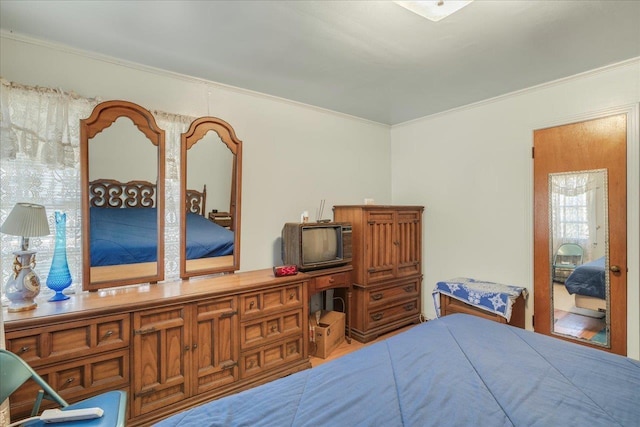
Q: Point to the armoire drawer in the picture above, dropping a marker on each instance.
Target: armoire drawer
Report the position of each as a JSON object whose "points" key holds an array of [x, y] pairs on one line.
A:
{"points": [[270, 328], [385, 294], [263, 359], [63, 341], [265, 302], [398, 311]]}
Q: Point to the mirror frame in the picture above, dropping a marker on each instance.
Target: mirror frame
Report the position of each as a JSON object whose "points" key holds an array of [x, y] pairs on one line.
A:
{"points": [[102, 117], [198, 129], [607, 278]]}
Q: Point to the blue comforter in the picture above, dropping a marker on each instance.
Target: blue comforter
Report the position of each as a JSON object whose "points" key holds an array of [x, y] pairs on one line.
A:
{"points": [[458, 370], [129, 236], [588, 280]]}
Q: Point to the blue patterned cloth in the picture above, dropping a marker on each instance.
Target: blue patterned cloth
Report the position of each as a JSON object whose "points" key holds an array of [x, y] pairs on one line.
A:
{"points": [[494, 297]]}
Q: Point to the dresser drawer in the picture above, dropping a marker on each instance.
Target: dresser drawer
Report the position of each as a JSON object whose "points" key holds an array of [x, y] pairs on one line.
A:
{"points": [[267, 329], [269, 301], [398, 311], [383, 295], [269, 357], [330, 281], [63, 341], [75, 381]]}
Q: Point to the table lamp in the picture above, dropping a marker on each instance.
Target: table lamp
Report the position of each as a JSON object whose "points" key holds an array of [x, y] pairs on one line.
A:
{"points": [[25, 220]]}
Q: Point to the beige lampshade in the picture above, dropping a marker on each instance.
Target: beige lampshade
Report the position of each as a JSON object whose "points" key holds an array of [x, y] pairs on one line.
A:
{"points": [[26, 220]]}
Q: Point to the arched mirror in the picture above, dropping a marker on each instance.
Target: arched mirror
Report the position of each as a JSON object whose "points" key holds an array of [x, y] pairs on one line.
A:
{"points": [[211, 176], [578, 236], [122, 167]]}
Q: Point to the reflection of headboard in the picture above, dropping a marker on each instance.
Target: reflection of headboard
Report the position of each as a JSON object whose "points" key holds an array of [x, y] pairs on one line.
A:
{"points": [[197, 201], [109, 193]]}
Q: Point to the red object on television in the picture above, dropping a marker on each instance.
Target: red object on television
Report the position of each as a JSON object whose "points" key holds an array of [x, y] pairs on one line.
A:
{"points": [[285, 270]]}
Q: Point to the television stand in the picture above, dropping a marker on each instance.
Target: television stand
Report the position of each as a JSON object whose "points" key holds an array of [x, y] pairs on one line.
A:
{"points": [[334, 278]]}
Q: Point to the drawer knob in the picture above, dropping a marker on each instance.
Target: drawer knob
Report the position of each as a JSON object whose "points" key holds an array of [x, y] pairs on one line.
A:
{"points": [[409, 307], [292, 295], [24, 349], [230, 365], [408, 288], [194, 346], [274, 328], [377, 297], [70, 380], [108, 334], [377, 316], [251, 304], [332, 280], [186, 348]]}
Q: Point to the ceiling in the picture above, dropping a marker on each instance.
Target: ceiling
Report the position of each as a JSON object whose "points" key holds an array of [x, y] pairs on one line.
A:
{"points": [[370, 59]]}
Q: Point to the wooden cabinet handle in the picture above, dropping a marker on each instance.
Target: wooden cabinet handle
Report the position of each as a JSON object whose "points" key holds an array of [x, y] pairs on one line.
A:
{"points": [[186, 348], [408, 288], [144, 331], [145, 392], [194, 346], [24, 349], [251, 304], [292, 295], [230, 365], [409, 307], [377, 297], [377, 316], [331, 280], [108, 334], [229, 314], [274, 328], [70, 380]]}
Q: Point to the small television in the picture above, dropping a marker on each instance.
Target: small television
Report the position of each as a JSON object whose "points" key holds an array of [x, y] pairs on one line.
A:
{"points": [[312, 246]]}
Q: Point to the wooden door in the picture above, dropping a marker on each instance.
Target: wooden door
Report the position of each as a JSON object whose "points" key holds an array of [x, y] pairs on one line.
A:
{"points": [[215, 349], [380, 248], [408, 241], [160, 358], [590, 145]]}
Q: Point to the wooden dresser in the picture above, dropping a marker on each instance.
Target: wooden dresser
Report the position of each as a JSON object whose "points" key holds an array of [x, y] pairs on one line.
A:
{"points": [[387, 263], [170, 346]]}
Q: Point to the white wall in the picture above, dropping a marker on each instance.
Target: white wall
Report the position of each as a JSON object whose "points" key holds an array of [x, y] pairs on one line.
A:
{"points": [[472, 169], [294, 155]]}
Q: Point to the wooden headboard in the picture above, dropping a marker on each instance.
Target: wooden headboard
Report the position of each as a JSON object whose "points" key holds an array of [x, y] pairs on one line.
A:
{"points": [[196, 201], [110, 193]]}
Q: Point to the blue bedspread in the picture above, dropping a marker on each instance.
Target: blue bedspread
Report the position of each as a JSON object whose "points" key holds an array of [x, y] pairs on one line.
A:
{"points": [[490, 296], [129, 236], [458, 370], [588, 280]]}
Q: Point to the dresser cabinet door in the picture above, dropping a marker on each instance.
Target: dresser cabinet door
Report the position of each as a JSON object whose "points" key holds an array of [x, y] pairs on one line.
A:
{"points": [[161, 357], [380, 246], [214, 344], [408, 237]]}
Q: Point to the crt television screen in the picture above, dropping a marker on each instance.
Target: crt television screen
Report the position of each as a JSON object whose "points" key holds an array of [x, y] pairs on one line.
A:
{"points": [[320, 244]]}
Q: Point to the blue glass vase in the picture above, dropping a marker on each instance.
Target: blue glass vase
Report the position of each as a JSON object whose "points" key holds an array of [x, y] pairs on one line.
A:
{"points": [[59, 277]]}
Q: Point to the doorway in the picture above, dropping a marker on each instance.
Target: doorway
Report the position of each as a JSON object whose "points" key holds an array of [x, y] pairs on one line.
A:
{"points": [[580, 232]]}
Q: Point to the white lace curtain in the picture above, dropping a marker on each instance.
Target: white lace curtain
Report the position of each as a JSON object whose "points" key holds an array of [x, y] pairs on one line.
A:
{"points": [[575, 213], [40, 163]]}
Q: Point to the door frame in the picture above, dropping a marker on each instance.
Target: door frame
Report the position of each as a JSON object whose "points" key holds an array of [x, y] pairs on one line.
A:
{"points": [[633, 213]]}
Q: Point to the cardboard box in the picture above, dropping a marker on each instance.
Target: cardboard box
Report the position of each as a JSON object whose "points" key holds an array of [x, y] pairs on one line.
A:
{"points": [[329, 334]]}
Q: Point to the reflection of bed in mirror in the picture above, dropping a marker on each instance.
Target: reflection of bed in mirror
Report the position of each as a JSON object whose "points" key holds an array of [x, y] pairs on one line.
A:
{"points": [[123, 236], [587, 283]]}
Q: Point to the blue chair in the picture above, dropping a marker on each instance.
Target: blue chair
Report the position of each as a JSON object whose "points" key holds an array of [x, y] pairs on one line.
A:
{"points": [[14, 372]]}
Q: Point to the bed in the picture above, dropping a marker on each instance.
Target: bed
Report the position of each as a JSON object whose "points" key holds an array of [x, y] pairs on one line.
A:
{"points": [[457, 370], [587, 283], [123, 223]]}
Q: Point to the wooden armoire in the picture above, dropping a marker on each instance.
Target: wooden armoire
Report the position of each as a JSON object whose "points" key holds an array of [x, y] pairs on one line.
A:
{"points": [[387, 267]]}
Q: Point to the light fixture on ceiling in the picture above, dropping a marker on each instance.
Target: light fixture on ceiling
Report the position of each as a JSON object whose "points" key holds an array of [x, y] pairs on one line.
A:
{"points": [[434, 10]]}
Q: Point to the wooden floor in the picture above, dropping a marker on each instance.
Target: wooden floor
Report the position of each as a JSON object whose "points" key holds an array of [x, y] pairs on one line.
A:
{"points": [[576, 325], [346, 348]]}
